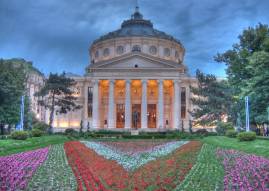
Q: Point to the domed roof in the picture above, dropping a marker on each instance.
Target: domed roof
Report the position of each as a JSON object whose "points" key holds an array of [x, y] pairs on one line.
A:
{"points": [[137, 26]]}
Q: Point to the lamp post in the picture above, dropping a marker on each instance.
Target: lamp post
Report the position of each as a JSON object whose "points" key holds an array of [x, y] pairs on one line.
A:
{"points": [[247, 113], [268, 114], [20, 126]]}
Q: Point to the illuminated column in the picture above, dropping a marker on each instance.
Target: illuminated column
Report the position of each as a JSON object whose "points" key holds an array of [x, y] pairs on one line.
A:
{"points": [[111, 122], [160, 104], [127, 104], [85, 105], [176, 107], [95, 105], [144, 117]]}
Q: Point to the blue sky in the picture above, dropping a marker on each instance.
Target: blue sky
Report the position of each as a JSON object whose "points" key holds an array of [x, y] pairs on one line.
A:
{"points": [[56, 35]]}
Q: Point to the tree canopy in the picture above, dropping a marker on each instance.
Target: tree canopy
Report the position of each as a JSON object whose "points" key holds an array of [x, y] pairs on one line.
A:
{"points": [[248, 70], [57, 95], [212, 99]]}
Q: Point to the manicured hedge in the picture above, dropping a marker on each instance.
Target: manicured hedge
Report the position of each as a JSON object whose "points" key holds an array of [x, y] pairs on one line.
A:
{"points": [[231, 133], [246, 136], [19, 135], [36, 133]]}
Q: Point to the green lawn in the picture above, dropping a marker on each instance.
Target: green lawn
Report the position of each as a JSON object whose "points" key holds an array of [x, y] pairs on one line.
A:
{"points": [[11, 146], [257, 147]]}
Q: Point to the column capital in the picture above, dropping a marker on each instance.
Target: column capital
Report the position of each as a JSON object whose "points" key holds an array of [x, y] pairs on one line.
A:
{"points": [[128, 81], [176, 81], [144, 81], [111, 81], [160, 81], [95, 81]]}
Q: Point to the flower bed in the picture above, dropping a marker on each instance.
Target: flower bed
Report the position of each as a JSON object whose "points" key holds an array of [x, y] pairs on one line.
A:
{"points": [[244, 171], [92, 170], [16, 170], [206, 174], [133, 147], [54, 173], [95, 172], [132, 160]]}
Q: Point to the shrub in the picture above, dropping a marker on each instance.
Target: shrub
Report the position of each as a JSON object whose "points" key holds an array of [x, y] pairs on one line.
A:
{"points": [[72, 133], [231, 133], [19, 135], [69, 131], [41, 126], [246, 136], [222, 127], [37, 133], [203, 132]]}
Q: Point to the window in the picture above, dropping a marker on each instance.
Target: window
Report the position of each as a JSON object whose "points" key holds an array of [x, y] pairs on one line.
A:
{"points": [[176, 54], [90, 100], [153, 50], [183, 102], [120, 50], [106, 52], [167, 52], [96, 54], [136, 48]]}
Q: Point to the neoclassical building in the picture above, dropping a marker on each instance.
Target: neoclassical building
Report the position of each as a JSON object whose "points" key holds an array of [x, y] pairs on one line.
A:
{"points": [[136, 79]]}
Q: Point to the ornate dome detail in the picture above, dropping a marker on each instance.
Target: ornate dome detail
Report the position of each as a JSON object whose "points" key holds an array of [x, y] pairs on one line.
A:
{"points": [[137, 26]]}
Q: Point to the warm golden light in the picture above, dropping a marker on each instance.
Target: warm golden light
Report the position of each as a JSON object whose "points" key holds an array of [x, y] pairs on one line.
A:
{"points": [[136, 83], [63, 124]]}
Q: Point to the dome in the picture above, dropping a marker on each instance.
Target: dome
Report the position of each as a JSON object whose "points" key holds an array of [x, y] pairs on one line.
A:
{"points": [[137, 27]]}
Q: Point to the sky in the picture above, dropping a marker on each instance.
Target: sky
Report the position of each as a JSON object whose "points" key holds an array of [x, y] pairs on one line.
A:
{"points": [[56, 34]]}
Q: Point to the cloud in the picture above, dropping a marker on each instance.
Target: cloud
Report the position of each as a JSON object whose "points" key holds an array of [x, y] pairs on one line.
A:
{"points": [[56, 35]]}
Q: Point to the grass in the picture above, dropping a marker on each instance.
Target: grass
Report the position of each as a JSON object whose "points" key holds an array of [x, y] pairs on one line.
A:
{"points": [[10, 146], [257, 147]]}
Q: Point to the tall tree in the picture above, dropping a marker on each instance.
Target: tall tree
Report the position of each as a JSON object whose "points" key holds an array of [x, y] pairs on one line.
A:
{"points": [[12, 86], [212, 99], [258, 86], [247, 70], [57, 95]]}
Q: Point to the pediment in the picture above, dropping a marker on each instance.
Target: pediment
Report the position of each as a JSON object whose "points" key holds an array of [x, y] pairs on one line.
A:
{"points": [[136, 61]]}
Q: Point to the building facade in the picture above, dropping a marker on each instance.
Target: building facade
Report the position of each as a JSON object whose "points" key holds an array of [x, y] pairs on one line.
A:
{"points": [[136, 79]]}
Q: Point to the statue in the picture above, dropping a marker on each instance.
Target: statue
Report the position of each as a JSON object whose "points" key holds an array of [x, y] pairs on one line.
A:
{"points": [[135, 119]]}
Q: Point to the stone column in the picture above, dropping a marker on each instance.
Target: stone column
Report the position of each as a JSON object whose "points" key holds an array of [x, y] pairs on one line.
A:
{"points": [[188, 116], [111, 122], [144, 105], [128, 116], [176, 105], [85, 106], [95, 105], [160, 104]]}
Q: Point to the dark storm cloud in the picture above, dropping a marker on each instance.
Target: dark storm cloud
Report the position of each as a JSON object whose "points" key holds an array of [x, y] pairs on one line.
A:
{"points": [[56, 35]]}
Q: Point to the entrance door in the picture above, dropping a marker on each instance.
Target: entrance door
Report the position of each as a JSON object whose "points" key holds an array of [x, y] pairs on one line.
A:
{"points": [[151, 115], [120, 109], [136, 108]]}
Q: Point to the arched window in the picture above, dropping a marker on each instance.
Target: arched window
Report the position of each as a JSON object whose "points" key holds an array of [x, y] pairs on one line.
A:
{"points": [[136, 48], [106, 52], [166, 52], [153, 50], [120, 50]]}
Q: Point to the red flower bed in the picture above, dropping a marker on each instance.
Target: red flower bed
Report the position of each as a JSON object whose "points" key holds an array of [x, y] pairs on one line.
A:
{"points": [[94, 172]]}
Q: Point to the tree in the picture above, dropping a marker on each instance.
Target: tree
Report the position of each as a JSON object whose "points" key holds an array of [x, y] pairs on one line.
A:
{"points": [[247, 71], [12, 87], [57, 96], [212, 99], [258, 86]]}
